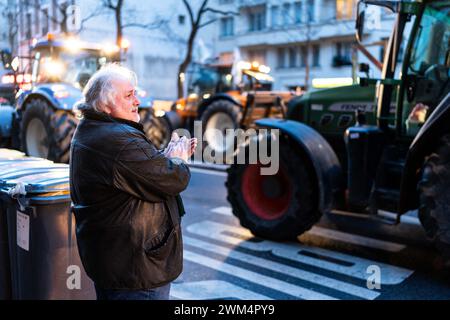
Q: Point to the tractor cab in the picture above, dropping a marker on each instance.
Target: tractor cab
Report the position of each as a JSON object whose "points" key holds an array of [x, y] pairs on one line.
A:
{"points": [[68, 61], [209, 79]]}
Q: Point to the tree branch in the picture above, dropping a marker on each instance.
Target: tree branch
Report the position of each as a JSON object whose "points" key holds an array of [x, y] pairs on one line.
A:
{"points": [[208, 22], [189, 9], [148, 26], [225, 13]]}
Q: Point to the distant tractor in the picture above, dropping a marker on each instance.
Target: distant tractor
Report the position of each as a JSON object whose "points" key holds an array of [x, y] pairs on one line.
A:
{"points": [[44, 119], [396, 157], [223, 96]]}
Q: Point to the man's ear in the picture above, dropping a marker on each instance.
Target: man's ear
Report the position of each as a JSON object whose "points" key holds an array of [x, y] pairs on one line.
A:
{"points": [[107, 109]]}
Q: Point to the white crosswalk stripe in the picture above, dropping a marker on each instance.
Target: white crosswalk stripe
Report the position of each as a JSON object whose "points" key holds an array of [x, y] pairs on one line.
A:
{"points": [[212, 289], [256, 278], [341, 265], [351, 266], [339, 235], [284, 269]]}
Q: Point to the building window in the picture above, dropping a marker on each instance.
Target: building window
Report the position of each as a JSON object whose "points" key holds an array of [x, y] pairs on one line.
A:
{"points": [[226, 26], [286, 14], [292, 57], [343, 55], [316, 55], [275, 16], [281, 58], [298, 12], [181, 19], [257, 19], [345, 9], [37, 27], [28, 26], [45, 19], [310, 11], [303, 56], [54, 15]]}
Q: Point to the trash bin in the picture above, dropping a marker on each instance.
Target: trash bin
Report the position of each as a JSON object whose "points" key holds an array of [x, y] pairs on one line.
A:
{"points": [[10, 161], [44, 257]]}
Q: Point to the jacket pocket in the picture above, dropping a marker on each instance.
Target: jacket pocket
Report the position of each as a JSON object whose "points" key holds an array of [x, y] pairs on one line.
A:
{"points": [[158, 244]]}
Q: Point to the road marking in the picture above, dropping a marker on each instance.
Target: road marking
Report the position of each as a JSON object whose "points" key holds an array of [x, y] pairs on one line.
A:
{"points": [[339, 235], [223, 210], [212, 289], [353, 267], [256, 278], [284, 269], [356, 239], [210, 172]]}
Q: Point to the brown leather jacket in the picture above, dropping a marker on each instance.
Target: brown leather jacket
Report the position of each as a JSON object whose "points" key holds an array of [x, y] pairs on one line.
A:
{"points": [[125, 196]]}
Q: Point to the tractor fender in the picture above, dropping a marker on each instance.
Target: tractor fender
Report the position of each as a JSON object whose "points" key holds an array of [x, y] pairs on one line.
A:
{"points": [[59, 96], [220, 96], [327, 169], [425, 142]]}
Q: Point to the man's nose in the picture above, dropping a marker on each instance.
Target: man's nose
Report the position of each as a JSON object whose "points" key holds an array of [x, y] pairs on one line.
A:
{"points": [[136, 101]]}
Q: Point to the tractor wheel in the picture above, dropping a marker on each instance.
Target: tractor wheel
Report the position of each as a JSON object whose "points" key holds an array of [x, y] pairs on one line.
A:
{"points": [[157, 129], [434, 191], [47, 133], [216, 119], [280, 206]]}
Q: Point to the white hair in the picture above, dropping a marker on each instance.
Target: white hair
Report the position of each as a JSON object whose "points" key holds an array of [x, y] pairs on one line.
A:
{"points": [[100, 91]]}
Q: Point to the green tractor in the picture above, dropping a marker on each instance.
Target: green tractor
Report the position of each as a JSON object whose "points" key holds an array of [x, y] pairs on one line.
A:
{"points": [[395, 158], [43, 116]]}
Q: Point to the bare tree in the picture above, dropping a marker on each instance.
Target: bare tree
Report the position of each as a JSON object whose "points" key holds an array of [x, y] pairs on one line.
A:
{"points": [[9, 13], [118, 8], [196, 25]]}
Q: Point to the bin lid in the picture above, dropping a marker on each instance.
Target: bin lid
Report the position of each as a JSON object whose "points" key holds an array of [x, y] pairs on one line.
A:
{"points": [[10, 154], [19, 163], [15, 172], [41, 182]]}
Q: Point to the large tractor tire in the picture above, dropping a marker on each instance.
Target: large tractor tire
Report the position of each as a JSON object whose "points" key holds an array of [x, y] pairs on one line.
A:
{"points": [[47, 133], [157, 129], [218, 117], [434, 190], [277, 207]]}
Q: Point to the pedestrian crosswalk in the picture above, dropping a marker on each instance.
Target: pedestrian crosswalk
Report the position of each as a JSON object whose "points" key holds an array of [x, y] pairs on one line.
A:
{"points": [[294, 269]]}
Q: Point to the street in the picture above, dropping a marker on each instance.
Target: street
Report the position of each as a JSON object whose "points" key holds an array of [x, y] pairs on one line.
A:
{"points": [[334, 260]]}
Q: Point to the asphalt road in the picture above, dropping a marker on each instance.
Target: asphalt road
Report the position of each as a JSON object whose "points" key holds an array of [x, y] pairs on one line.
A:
{"points": [[343, 257]]}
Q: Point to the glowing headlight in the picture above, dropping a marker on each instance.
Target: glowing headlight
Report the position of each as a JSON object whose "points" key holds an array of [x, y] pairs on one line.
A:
{"points": [[53, 67]]}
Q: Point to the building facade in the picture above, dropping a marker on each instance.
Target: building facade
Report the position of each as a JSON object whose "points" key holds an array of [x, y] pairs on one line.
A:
{"points": [[304, 42], [155, 52]]}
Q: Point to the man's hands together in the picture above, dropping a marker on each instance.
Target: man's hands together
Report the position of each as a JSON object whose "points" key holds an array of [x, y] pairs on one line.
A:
{"points": [[182, 148]]}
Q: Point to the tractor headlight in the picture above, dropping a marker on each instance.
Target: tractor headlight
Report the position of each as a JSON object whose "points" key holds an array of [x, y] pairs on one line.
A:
{"points": [[53, 68]]}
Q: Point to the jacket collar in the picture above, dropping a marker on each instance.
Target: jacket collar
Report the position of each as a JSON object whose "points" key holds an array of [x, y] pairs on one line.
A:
{"points": [[104, 117]]}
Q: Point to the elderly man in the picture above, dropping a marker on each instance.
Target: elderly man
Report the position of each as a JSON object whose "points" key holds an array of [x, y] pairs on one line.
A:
{"points": [[125, 193]]}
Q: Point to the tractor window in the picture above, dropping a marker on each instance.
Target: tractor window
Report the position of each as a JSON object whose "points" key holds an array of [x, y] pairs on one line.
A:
{"points": [[429, 69], [432, 42], [203, 80], [75, 69]]}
